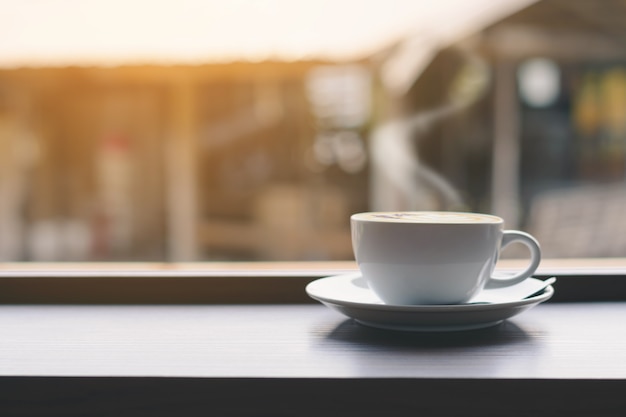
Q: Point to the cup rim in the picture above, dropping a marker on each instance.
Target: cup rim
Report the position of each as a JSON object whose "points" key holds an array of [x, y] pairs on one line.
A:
{"points": [[363, 217]]}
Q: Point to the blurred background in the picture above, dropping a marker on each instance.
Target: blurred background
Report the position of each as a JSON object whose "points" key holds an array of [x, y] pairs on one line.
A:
{"points": [[251, 130]]}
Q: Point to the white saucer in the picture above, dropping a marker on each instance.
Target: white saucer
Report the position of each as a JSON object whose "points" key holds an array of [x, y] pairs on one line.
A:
{"points": [[350, 295]]}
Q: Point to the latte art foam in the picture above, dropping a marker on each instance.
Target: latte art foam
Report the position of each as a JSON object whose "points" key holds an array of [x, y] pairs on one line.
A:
{"points": [[441, 217]]}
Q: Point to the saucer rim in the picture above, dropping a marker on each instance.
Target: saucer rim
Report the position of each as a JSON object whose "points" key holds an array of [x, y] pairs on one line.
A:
{"points": [[543, 296]]}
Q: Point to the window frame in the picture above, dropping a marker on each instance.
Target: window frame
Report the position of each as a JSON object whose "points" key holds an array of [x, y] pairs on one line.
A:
{"points": [[579, 280]]}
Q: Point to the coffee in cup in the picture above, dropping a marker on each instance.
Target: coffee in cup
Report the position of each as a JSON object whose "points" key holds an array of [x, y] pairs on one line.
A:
{"points": [[430, 257]]}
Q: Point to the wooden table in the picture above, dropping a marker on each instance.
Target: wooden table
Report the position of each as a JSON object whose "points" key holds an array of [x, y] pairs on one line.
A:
{"points": [[304, 359]]}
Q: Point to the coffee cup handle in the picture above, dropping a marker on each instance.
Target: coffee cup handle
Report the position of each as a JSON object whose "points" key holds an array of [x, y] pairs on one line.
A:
{"points": [[515, 236]]}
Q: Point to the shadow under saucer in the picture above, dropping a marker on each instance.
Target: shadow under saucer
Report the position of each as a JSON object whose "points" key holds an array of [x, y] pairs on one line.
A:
{"points": [[505, 333]]}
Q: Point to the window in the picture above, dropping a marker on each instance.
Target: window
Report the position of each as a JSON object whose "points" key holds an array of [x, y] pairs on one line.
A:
{"points": [[203, 131]]}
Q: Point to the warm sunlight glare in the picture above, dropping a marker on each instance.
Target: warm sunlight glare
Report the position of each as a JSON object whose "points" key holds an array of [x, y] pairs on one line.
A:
{"points": [[83, 32]]}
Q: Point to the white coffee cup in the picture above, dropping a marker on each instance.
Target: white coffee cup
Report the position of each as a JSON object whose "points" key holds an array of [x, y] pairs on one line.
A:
{"points": [[411, 258]]}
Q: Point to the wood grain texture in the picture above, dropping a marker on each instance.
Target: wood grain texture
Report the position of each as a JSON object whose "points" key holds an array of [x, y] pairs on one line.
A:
{"points": [[305, 360], [558, 341]]}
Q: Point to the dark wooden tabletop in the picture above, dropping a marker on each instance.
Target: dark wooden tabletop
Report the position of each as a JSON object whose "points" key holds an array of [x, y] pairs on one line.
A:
{"points": [[561, 340], [270, 359]]}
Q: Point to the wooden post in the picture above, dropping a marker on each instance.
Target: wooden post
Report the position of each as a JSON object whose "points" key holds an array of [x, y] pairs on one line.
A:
{"points": [[181, 178], [506, 146]]}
